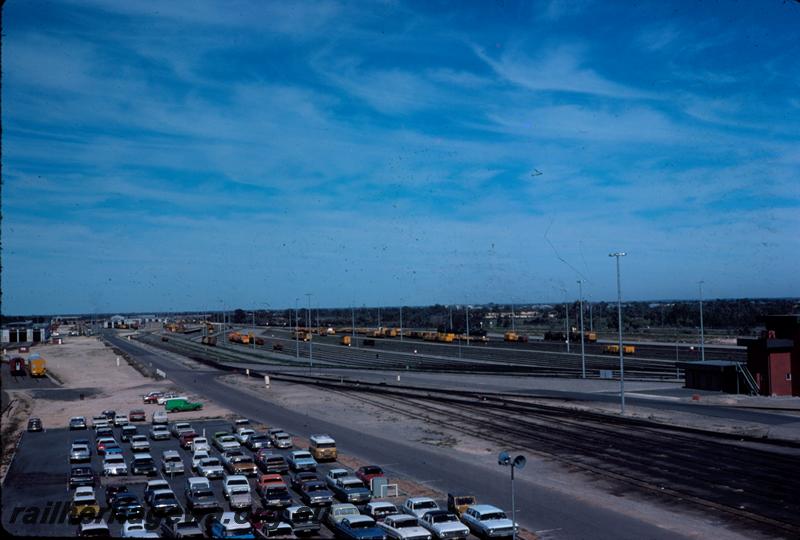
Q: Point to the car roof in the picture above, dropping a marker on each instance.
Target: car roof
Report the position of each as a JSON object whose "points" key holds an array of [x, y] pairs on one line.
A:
{"points": [[485, 508], [358, 518], [381, 504], [322, 439], [419, 499]]}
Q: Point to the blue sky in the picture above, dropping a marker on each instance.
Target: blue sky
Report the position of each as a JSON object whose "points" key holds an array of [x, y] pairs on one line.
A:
{"points": [[205, 155]]}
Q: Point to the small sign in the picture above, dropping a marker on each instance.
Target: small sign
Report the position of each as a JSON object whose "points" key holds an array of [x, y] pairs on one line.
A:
{"points": [[606, 374], [266, 381]]}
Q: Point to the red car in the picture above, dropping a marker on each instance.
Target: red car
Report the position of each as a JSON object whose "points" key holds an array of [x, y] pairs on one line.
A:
{"points": [[186, 438], [152, 397], [137, 415], [368, 472]]}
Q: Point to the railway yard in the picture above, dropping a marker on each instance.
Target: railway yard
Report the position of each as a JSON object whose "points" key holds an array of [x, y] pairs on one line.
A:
{"points": [[433, 417]]}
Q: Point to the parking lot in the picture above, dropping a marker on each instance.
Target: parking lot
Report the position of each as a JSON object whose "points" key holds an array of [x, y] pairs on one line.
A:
{"points": [[36, 496]]}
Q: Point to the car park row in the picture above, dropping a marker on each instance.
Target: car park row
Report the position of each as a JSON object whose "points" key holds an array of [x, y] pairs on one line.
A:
{"points": [[268, 488]]}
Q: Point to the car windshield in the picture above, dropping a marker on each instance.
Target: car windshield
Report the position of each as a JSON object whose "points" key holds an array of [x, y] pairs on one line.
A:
{"points": [[143, 461], [405, 523], [162, 497], [210, 462], [203, 493], [277, 490], [238, 482], [492, 515], [442, 518], [361, 525], [425, 504]]}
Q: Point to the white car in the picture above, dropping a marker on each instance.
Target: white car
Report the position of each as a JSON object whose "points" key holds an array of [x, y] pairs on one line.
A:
{"points": [[418, 506], [199, 443], [166, 397], [234, 481], [487, 521], [334, 474], [137, 529], [180, 427], [242, 434], [114, 464], [404, 527], [84, 491], [199, 456], [139, 443], [159, 417], [444, 525], [378, 510], [159, 432], [210, 468], [121, 420]]}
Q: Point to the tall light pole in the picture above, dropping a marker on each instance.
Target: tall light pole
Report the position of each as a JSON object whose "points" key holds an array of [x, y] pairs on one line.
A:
{"points": [[353, 315], [401, 322], [513, 324], [297, 328], [566, 317], [583, 352], [467, 308], [591, 322], [702, 330], [310, 335], [619, 328], [517, 463], [254, 329]]}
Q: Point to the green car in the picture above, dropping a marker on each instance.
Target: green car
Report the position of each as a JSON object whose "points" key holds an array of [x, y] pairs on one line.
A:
{"points": [[181, 405]]}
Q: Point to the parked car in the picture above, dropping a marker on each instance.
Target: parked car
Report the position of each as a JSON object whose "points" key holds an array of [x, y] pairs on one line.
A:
{"points": [[197, 457], [301, 477], [104, 431], [159, 417], [236, 489], [77, 422], [185, 439], [160, 400], [137, 529], [99, 420], [114, 464], [270, 462], [110, 414], [164, 502], [229, 525], [182, 526], [458, 504], [322, 447], [84, 505], [243, 433], [120, 420], [487, 521], [210, 468], [338, 512], [301, 460], [139, 443], [102, 442], [273, 491], [404, 527], [113, 490], [171, 462], [418, 506], [351, 489], [358, 528], [154, 485], [182, 405], [199, 443], [126, 506], [302, 520], [127, 432], [281, 439], [316, 493], [257, 441], [79, 453], [159, 432], [35, 425], [93, 529], [151, 397], [237, 462], [444, 525], [137, 415], [241, 422], [335, 474], [267, 523], [368, 472], [112, 448], [378, 510], [224, 441], [81, 476], [180, 427], [143, 464], [202, 498]]}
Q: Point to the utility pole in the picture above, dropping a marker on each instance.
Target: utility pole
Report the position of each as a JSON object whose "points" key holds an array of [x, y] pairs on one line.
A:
{"points": [[297, 328], [513, 324], [566, 317], [583, 351], [467, 326], [353, 315], [702, 330], [310, 334], [450, 314], [254, 330], [401, 322], [619, 328]]}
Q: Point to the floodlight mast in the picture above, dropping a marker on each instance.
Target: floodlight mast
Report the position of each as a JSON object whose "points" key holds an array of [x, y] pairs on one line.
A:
{"points": [[619, 328]]}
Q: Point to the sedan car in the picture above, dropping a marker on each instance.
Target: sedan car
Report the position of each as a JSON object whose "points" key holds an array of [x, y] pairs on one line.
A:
{"points": [[487, 521], [316, 493], [126, 506], [281, 439], [81, 476], [302, 520], [127, 432], [79, 453], [114, 464], [404, 527], [358, 528], [299, 478], [143, 464], [302, 460], [210, 468], [257, 441], [151, 397], [137, 415], [444, 525], [164, 502], [419, 506], [35, 425], [159, 432], [113, 490], [378, 510], [139, 443], [199, 456], [199, 443], [270, 462], [77, 422]]}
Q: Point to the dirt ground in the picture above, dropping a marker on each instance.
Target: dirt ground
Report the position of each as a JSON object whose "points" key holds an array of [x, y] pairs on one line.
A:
{"points": [[332, 406]]}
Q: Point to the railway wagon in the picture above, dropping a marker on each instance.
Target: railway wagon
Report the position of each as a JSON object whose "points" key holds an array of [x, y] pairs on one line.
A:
{"points": [[37, 366], [614, 349]]}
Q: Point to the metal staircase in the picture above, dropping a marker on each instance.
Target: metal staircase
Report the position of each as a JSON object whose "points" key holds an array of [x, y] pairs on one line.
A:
{"points": [[748, 378]]}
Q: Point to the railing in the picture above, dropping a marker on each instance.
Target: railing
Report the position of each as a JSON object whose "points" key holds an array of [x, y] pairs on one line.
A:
{"points": [[749, 380]]}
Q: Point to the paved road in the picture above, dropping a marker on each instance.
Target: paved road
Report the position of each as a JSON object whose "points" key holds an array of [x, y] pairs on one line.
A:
{"points": [[539, 508]]}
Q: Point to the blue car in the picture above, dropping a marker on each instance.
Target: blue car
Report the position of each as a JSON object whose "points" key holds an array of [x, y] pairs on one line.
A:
{"points": [[113, 449], [302, 460], [358, 528], [230, 525]]}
